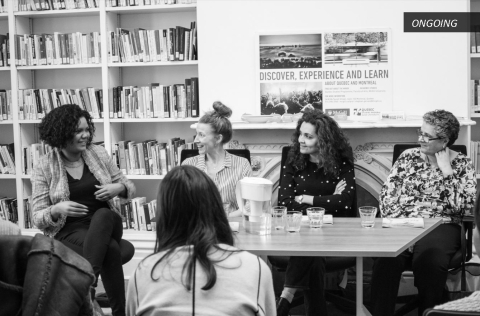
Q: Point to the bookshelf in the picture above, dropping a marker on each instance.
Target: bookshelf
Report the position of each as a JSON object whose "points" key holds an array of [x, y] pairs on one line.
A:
{"points": [[474, 61], [103, 76]]}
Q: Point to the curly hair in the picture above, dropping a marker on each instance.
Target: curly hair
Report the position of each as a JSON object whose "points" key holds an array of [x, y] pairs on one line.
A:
{"points": [[334, 146], [218, 120], [59, 126], [446, 124]]}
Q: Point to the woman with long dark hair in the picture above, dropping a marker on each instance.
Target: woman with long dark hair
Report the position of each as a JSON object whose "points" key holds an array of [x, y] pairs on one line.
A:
{"points": [[319, 172], [195, 269], [73, 188]]}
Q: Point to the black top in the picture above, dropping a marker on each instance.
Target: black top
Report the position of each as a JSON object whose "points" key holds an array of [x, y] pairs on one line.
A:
{"points": [[313, 181], [82, 191]]}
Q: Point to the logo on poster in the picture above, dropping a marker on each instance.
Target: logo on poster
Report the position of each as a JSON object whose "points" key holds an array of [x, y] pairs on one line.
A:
{"points": [[332, 112], [365, 112]]}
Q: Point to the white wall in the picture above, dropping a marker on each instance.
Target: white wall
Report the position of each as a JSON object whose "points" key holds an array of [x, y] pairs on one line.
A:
{"points": [[429, 69]]}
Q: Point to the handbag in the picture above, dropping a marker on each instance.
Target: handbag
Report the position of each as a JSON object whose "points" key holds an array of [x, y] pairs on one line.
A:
{"points": [[464, 280]]}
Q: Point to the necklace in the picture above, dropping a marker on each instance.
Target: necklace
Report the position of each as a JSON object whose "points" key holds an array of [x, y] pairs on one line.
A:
{"points": [[73, 164], [216, 166]]}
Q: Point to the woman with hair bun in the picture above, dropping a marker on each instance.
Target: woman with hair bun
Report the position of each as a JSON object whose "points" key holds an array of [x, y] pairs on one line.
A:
{"points": [[213, 131]]}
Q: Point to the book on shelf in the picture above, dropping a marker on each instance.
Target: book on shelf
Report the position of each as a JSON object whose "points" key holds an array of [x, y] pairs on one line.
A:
{"points": [[7, 158], [131, 3], [9, 209], [155, 101], [4, 50], [5, 105], [57, 49], [4, 6], [35, 103], [161, 45], [42, 5]]}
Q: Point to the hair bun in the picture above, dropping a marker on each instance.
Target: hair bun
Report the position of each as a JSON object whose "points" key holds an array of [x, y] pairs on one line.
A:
{"points": [[221, 110]]}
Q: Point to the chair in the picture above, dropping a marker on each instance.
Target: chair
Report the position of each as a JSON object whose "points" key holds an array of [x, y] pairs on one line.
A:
{"points": [[398, 149], [465, 251], [333, 264], [188, 153], [41, 276]]}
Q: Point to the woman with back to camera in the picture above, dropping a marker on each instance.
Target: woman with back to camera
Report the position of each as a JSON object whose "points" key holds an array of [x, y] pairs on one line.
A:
{"points": [[430, 181], [213, 131], [195, 269], [319, 172], [73, 188]]}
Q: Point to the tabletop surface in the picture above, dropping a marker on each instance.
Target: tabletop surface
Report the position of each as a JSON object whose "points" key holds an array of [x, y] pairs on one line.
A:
{"points": [[345, 238]]}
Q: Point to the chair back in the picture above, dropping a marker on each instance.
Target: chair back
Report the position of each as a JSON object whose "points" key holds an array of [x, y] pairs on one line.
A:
{"points": [[398, 149], [188, 153]]}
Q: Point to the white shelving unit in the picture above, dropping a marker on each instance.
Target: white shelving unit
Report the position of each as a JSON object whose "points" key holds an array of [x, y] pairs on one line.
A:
{"points": [[474, 70], [103, 76]]}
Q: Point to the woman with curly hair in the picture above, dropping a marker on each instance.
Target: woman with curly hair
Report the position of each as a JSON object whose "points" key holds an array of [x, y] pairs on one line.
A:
{"points": [[430, 181], [73, 188], [319, 172], [195, 269]]}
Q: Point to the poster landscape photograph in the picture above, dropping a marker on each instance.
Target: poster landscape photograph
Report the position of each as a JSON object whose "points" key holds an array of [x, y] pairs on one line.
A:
{"points": [[291, 51]]}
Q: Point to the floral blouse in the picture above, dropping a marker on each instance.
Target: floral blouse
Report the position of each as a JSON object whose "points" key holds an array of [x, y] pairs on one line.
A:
{"points": [[414, 189]]}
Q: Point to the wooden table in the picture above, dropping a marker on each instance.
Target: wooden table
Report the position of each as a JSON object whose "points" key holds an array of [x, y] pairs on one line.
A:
{"points": [[345, 238]]}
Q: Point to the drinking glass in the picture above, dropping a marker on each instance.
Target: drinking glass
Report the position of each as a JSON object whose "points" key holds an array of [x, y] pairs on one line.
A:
{"points": [[315, 216], [293, 221], [278, 217], [367, 215]]}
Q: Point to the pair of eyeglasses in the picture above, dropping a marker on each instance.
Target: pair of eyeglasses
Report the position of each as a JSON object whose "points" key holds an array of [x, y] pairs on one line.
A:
{"points": [[426, 138]]}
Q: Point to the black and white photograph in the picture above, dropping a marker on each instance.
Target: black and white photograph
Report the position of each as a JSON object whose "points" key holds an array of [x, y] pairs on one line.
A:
{"points": [[291, 51], [292, 98], [359, 48]]}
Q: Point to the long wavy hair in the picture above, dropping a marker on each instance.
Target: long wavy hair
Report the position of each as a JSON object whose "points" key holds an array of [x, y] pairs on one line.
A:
{"points": [[190, 213], [334, 146]]}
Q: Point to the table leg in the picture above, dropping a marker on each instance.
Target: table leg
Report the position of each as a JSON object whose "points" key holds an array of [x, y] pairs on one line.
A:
{"points": [[361, 310]]}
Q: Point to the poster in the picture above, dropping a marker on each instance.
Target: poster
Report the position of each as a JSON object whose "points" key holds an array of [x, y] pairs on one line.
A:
{"points": [[335, 71]]}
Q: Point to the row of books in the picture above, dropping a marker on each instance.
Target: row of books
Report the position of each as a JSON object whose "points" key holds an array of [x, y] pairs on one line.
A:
{"points": [[137, 214], [7, 158], [140, 45], [156, 101], [41, 5], [31, 156], [475, 155], [149, 157], [5, 104], [32, 153], [57, 49], [130, 3], [8, 209], [35, 103], [4, 51]]}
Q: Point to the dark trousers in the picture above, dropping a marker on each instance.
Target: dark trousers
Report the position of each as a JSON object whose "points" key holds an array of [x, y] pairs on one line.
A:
{"points": [[307, 273], [429, 263], [98, 242]]}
